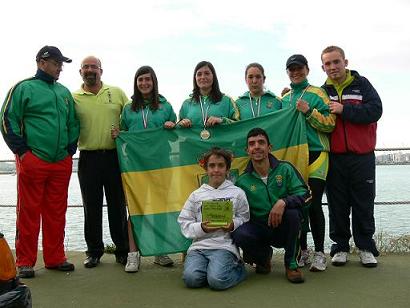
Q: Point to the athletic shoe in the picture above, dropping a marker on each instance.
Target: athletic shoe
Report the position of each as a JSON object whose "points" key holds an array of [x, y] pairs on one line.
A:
{"points": [[340, 258], [294, 275], [63, 267], [26, 271], [304, 258], [367, 258], [163, 261], [319, 262], [133, 262]]}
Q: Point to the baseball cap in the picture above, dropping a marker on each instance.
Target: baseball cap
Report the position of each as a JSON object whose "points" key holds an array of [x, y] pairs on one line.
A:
{"points": [[296, 59], [51, 52]]}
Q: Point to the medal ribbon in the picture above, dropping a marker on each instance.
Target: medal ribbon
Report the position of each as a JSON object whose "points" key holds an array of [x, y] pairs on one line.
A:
{"points": [[258, 103], [144, 116], [204, 113], [291, 93]]}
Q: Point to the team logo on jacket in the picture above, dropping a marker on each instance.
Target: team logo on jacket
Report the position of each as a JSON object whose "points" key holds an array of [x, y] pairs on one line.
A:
{"points": [[279, 180], [269, 105], [66, 100], [253, 187]]}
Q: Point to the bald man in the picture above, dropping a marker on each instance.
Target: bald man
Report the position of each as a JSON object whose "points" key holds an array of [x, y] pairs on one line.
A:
{"points": [[98, 108]]}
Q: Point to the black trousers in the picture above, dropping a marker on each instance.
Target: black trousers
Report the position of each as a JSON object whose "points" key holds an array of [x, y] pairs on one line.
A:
{"points": [[99, 174], [255, 238], [316, 216], [351, 188]]}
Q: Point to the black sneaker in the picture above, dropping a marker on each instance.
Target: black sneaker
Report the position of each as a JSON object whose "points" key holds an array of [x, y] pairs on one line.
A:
{"points": [[63, 267], [26, 271]]}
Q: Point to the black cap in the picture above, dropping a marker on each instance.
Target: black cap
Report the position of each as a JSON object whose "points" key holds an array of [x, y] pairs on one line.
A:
{"points": [[296, 59], [51, 52]]}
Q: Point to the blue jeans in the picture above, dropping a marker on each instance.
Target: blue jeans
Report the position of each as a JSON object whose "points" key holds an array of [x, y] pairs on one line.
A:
{"points": [[218, 268]]}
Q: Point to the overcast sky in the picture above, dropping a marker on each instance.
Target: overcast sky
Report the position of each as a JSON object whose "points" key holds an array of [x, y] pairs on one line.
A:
{"points": [[174, 35]]}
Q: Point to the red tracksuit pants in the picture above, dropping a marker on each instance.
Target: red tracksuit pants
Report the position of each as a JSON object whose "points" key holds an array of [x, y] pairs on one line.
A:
{"points": [[42, 190]]}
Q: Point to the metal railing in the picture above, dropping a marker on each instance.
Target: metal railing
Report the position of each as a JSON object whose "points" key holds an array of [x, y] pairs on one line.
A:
{"points": [[403, 202]]}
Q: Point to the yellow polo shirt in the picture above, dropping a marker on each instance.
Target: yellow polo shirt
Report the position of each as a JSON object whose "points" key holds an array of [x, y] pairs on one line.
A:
{"points": [[97, 113]]}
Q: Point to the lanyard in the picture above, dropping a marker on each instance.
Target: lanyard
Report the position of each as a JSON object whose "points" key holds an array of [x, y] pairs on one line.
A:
{"points": [[204, 113], [144, 116], [300, 97], [258, 103]]}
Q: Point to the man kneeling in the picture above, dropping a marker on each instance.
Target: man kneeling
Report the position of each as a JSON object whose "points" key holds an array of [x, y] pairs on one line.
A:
{"points": [[276, 193], [212, 258]]}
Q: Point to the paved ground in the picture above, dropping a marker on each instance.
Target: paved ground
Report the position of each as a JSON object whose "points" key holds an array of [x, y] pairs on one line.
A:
{"points": [[108, 285]]}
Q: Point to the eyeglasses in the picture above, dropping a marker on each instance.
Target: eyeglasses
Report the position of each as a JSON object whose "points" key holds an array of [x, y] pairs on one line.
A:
{"points": [[90, 66], [55, 63]]}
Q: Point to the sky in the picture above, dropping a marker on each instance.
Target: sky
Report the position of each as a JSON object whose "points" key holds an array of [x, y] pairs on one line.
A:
{"points": [[172, 36]]}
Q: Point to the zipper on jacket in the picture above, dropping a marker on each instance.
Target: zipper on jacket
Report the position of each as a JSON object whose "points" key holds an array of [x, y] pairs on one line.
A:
{"points": [[58, 120], [344, 124]]}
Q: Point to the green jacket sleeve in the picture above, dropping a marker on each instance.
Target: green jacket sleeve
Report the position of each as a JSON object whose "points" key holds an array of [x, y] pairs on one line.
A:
{"points": [[233, 112], [73, 126], [123, 119], [12, 117], [319, 116], [298, 192]]}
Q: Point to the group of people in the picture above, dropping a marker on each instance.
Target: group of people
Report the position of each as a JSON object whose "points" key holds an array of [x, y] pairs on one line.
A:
{"points": [[43, 123]]}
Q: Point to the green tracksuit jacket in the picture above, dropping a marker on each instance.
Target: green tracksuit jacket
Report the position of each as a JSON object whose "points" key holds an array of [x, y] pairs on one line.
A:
{"points": [[268, 103], [319, 120], [38, 115], [284, 182]]}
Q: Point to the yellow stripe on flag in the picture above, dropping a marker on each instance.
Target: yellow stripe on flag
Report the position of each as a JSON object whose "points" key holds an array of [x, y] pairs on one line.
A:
{"points": [[173, 185]]}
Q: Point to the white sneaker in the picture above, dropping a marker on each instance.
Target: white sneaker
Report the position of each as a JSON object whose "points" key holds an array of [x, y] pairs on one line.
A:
{"points": [[304, 258], [367, 258], [133, 262], [340, 258], [163, 261], [319, 262]]}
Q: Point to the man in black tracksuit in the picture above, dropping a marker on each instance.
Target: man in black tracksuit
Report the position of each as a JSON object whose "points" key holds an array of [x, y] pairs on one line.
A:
{"points": [[351, 177]]}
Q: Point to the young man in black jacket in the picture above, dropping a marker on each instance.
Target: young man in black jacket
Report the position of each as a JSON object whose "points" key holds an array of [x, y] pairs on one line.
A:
{"points": [[351, 177]]}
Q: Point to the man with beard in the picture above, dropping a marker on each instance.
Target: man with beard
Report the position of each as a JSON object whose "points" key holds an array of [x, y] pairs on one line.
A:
{"points": [[40, 127], [98, 107]]}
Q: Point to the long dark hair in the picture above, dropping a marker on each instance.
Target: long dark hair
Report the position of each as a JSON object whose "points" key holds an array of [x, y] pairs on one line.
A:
{"points": [[216, 94], [137, 98]]}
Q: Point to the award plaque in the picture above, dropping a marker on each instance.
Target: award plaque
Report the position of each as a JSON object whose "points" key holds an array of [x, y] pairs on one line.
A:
{"points": [[218, 213]]}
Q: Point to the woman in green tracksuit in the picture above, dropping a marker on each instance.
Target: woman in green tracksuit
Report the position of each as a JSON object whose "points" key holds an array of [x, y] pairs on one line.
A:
{"points": [[313, 103], [207, 106], [256, 101], [148, 109]]}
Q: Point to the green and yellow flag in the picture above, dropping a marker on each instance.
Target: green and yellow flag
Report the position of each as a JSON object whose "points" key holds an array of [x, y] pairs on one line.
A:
{"points": [[159, 169]]}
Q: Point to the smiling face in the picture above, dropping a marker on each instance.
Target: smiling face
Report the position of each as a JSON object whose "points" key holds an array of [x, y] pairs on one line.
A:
{"points": [[216, 170], [145, 84], [258, 148], [255, 80], [91, 71], [297, 73], [334, 65], [204, 79]]}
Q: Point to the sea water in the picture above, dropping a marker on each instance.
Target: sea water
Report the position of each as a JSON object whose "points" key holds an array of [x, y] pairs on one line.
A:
{"points": [[392, 184]]}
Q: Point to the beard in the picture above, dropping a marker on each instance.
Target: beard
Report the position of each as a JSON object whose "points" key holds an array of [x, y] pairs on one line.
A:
{"points": [[90, 79]]}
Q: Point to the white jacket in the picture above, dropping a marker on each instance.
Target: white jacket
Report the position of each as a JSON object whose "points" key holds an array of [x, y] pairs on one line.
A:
{"points": [[190, 217]]}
